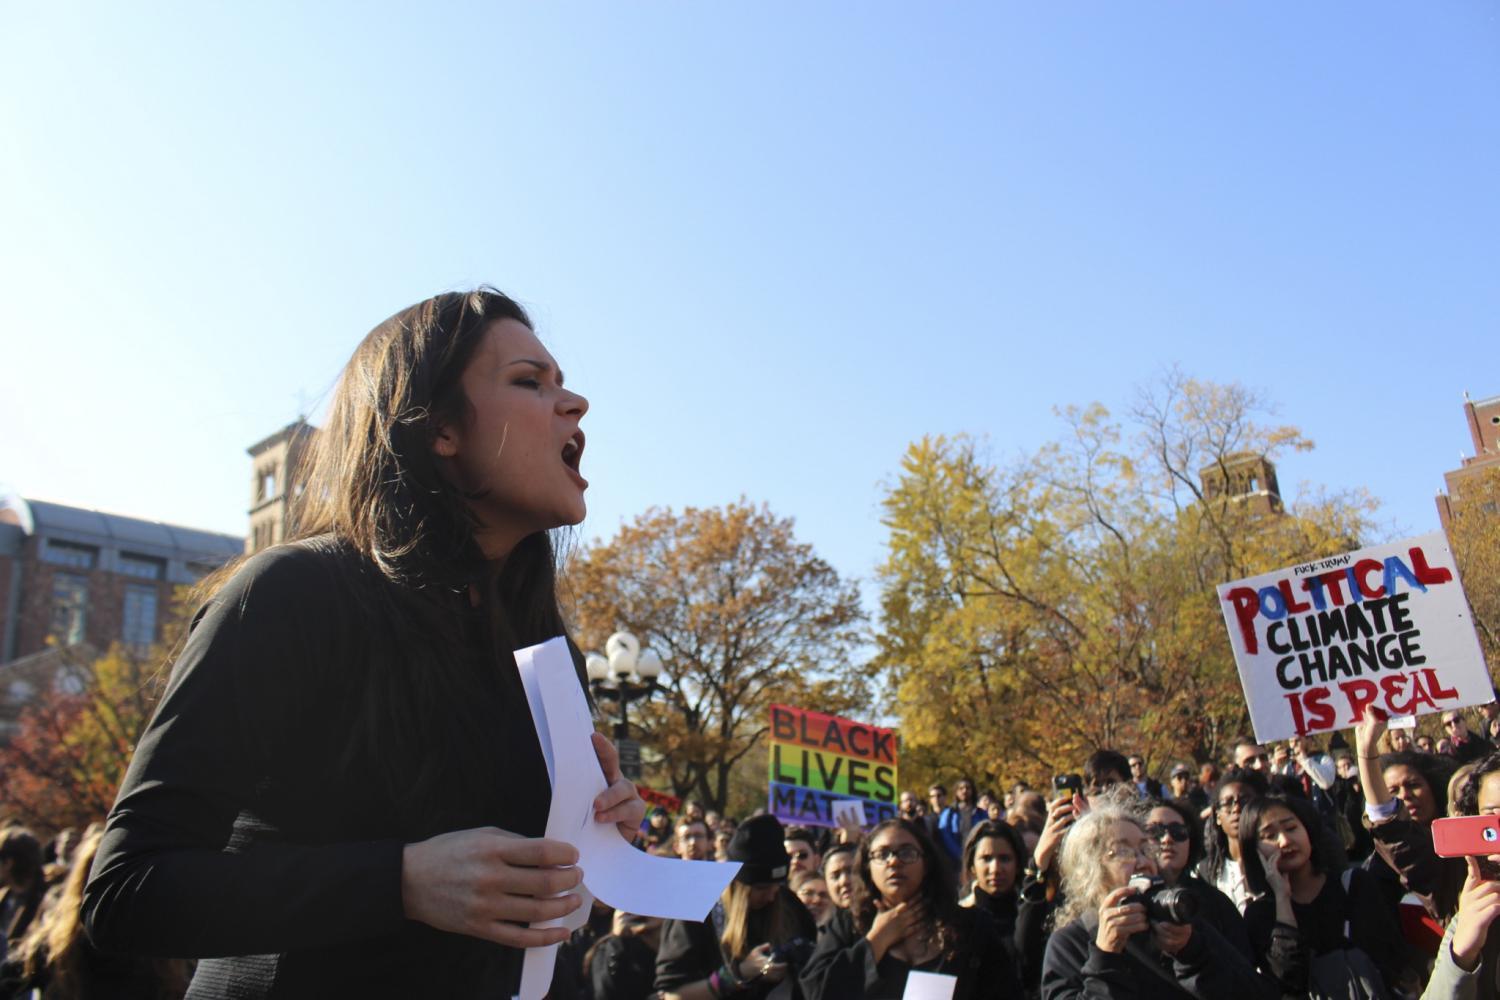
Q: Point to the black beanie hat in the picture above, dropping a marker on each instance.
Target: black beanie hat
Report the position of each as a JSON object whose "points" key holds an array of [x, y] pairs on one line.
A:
{"points": [[759, 844]]}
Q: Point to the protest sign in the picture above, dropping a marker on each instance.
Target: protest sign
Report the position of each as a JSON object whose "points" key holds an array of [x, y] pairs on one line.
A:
{"points": [[819, 761], [1386, 626], [652, 797]]}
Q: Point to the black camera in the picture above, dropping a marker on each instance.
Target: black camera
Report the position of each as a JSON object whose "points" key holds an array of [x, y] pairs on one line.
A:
{"points": [[796, 951], [1067, 783], [1164, 903]]}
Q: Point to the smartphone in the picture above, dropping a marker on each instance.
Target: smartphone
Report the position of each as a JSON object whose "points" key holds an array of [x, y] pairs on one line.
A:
{"points": [[1463, 836]]}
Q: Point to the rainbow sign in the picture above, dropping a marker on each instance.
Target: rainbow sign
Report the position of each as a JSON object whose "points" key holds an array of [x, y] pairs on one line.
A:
{"points": [[819, 760]]}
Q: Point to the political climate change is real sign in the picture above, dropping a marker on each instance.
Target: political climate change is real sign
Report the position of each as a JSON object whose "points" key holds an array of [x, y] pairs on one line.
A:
{"points": [[818, 761], [1386, 626]]}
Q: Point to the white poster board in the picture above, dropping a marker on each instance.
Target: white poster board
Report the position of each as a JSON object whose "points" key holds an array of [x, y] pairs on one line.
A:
{"points": [[1386, 626]]}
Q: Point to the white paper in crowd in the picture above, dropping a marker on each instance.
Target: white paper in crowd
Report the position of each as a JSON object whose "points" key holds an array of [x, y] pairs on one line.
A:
{"points": [[929, 986], [850, 812], [1384, 626], [613, 871], [1401, 722]]}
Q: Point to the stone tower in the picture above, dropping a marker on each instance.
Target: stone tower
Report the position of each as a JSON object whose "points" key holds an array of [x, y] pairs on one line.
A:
{"points": [[1244, 476], [277, 465]]}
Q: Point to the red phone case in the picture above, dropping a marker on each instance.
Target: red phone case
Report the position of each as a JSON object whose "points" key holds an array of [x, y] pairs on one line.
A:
{"points": [[1466, 835]]}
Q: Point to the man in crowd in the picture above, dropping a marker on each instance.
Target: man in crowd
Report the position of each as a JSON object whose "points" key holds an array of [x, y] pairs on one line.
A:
{"points": [[1144, 783], [937, 801], [1103, 770], [1463, 744], [804, 856], [1185, 788], [1251, 756], [1424, 743], [911, 806], [956, 821], [692, 841]]}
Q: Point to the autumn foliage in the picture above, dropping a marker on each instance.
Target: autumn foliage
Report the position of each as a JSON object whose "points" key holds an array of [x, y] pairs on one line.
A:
{"points": [[73, 743], [742, 614], [1035, 611]]}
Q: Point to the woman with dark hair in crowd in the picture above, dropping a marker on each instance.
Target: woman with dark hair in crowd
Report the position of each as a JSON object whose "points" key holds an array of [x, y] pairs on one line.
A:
{"points": [[841, 871], [906, 917], [1222, 867], [1173, 825], [23, 881], [1107, 943], [341, 792], [993, 860], [1312, 927], [57, 958], [756, 939]]}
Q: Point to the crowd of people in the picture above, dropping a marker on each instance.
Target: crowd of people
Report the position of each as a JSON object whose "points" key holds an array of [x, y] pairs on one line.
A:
{"points": [[1292, 871]]}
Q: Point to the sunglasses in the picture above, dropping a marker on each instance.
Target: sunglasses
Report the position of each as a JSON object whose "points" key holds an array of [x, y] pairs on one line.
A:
{"points": [[1177, 831], [1234, 805]]}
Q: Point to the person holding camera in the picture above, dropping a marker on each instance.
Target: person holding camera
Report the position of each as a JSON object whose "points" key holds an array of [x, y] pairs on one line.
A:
{"points": [[757, 937], [906, 918], [1469, 957], [1171, 824], [1123, 933]]}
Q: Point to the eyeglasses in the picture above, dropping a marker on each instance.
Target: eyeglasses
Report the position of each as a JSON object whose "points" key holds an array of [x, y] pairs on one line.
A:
{"points": [[1146, 852], [907, 855], [1450, 723], [1234, 805], [1177, 831], [800, 855]]}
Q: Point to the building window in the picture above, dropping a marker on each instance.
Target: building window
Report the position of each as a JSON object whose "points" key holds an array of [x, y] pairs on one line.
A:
{"points": [[70, 602], [145, 567], [266, 489], [70, 554], [140, 616]]}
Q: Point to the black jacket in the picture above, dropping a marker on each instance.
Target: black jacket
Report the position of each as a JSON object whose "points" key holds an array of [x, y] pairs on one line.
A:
{"points": [[844, 968], [244, 837], [1207, 968]]}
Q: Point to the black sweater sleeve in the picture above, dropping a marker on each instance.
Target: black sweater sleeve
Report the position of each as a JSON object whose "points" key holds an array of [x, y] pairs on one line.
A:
{"points": [[187, 868]]}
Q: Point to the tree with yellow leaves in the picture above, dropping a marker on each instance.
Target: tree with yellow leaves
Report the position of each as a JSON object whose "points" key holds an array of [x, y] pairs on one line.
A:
{"points": [[742, 614], [1034, 612], [1474, 534]]}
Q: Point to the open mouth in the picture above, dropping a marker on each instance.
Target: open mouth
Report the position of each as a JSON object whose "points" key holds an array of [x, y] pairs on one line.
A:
{"points": [[572, 450]]}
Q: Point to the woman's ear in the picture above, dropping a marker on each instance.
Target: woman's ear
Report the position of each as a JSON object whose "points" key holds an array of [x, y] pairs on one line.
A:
{"points": [[445, 441]]}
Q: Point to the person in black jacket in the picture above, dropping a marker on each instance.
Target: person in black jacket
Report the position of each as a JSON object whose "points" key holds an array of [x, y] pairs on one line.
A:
{"points": [[1107, 946], [342, 792], [1173, 825], [756, 939], [1312, 926], [906, 917]]}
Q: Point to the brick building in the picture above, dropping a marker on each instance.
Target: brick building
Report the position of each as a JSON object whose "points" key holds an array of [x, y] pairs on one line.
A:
{"points": [[1483, 419], [84, 580]]}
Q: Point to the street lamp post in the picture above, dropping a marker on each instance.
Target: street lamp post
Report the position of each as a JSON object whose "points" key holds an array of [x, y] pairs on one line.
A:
{"points": [[624, 673]]}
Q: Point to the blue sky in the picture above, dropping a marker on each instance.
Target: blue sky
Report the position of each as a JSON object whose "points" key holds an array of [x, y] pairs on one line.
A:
{"points": [[773, 243]]}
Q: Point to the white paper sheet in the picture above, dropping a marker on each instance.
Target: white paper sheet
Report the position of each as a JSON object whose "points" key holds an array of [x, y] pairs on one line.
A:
{"points": [[850, 812], [615, 872], [1402, 722], [929, 986]]}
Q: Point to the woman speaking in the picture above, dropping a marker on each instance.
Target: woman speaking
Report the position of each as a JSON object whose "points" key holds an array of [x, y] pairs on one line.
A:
{"points": [[341, 792]]}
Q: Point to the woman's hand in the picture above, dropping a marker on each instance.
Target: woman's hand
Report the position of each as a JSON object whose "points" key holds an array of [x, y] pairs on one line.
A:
{"points": [[893, 924], [620, 803], [1367, 732], [1119, 919], [758, 965], [1061, 814], [1478, 906], [1171, 938], [1270, 862], [487, 883]]}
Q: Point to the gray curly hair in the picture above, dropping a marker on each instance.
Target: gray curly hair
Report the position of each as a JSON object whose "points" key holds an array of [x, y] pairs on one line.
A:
{"points": [[1084, 847]]}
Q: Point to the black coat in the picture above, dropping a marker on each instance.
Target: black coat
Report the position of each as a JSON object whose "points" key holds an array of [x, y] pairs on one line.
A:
{"points": [[844, 968], [244, 837], [1207, 968]]}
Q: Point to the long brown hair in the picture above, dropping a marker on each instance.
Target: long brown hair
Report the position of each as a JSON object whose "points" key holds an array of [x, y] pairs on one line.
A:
{"points": [[937, 890], [376, 497]]}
